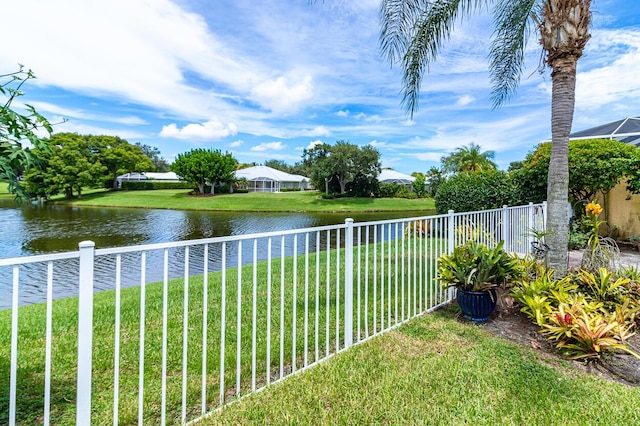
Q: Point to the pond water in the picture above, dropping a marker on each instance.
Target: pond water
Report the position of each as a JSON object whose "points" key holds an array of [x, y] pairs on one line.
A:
{"points": [[28, 230]]}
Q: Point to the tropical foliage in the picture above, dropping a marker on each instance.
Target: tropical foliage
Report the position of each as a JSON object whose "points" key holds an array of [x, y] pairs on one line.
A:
{"points": [[201, 166], [595, 165], [587, 316], [120, 157], [343, 168], [476, 267], [413, 33], [16, 129], [465, 192], [468, 159], [74, 162]]}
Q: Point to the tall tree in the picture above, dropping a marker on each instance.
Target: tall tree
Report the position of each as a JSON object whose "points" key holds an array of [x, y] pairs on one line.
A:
{"points": [[413, 32], [16, 129], [345, 165], [468, 159], [119, 156], [71, 165], [202, 166], [153, 153]]}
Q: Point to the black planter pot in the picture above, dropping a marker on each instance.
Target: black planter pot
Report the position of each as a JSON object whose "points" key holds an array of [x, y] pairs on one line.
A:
{"points": [[476, 305]]}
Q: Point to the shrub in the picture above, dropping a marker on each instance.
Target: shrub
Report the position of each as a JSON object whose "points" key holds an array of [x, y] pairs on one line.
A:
{"points": [[470, 191], [475, 267], [585, 315], [394, 190], [137, 185], [578, 236]]}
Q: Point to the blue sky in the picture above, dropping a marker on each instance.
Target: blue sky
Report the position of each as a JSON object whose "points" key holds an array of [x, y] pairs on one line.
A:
{"points": [[266, 79]]}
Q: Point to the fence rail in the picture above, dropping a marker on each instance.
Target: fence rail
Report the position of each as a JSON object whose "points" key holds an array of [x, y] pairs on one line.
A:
{"points": [[180, 329]]}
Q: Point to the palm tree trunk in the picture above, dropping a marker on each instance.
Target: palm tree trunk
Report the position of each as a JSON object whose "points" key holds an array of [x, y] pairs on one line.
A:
{"points": [[562, 106]]}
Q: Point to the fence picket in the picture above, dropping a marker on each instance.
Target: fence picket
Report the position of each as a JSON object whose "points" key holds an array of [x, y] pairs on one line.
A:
{"points": [[377, 275]]}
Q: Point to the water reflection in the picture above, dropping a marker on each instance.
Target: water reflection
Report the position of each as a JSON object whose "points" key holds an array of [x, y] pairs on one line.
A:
{"points": [[31, 230]]}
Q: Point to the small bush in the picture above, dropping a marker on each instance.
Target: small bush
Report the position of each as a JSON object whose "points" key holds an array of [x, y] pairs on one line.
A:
{"points": [[394, 190], [471, 191], [578, 236], [290, 189]]}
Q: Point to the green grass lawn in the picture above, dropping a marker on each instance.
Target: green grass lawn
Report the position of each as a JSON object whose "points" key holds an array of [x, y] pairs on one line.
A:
{"points": [[321, 323], [435, 370], [308, 201]]}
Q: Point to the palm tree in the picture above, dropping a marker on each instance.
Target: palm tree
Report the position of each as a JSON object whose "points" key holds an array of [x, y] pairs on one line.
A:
{"points": [[468, 159], [413, 31]]}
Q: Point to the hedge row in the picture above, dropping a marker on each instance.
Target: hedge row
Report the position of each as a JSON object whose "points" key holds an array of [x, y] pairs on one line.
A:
{"points": [[468, 191], [137, 185]]}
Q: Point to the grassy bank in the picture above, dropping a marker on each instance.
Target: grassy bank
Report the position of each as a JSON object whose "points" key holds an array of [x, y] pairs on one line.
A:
{"points": [[438, 371], [315, 334], [309, 201]]}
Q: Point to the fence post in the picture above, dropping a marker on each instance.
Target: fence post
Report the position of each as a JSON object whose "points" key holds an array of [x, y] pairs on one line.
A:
{"points": [[85, 333], [506, 228], [451, 243], [531, 227], [348, 283], [544, 215], [450, 232]]}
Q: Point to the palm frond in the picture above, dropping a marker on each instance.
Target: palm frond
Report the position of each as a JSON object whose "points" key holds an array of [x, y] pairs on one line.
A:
{"points": [[413, 31], [513, 20], [397, 18]]}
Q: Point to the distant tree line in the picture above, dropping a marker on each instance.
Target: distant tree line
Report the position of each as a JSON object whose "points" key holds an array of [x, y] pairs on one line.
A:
{"points": [[595, 166], [72, 162]]}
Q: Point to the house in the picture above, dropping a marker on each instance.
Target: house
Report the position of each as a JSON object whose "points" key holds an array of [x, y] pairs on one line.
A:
{"points": [[391, 176], [625, 130], [622, 210], [267, 179], [163, 177]]}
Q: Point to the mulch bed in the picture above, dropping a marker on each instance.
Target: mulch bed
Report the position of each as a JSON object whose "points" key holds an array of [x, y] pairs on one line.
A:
{"points": [[512, 325]]}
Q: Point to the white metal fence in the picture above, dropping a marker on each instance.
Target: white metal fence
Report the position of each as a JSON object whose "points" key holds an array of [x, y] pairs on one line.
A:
{"points": [[168, 346]]}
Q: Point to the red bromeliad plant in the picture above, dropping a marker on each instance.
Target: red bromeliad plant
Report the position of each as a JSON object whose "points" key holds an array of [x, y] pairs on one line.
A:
{"points": [[587, 316], [589, 337]]}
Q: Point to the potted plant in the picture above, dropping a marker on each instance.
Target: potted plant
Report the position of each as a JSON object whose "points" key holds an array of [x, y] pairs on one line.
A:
{"points": [[476, 272]]}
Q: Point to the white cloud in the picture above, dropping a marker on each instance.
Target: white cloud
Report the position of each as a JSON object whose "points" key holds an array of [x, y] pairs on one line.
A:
{"points": [[269, 146], [236, 144], [378, 144], [610, 82], [428, 156], [280, 96], [465, 100], [316, 131], [46, 107], [408, 123], [342, 113], [213, 129], [315, 143], [73, 126]]}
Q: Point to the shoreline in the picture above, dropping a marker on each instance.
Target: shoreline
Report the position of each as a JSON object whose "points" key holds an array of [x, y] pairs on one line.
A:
{"points": [[258, 202]]}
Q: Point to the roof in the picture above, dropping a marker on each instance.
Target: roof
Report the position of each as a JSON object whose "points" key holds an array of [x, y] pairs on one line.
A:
{"points": [[149, 175], [260, 173], [162, 176], [625, 130], [391, 176]]}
